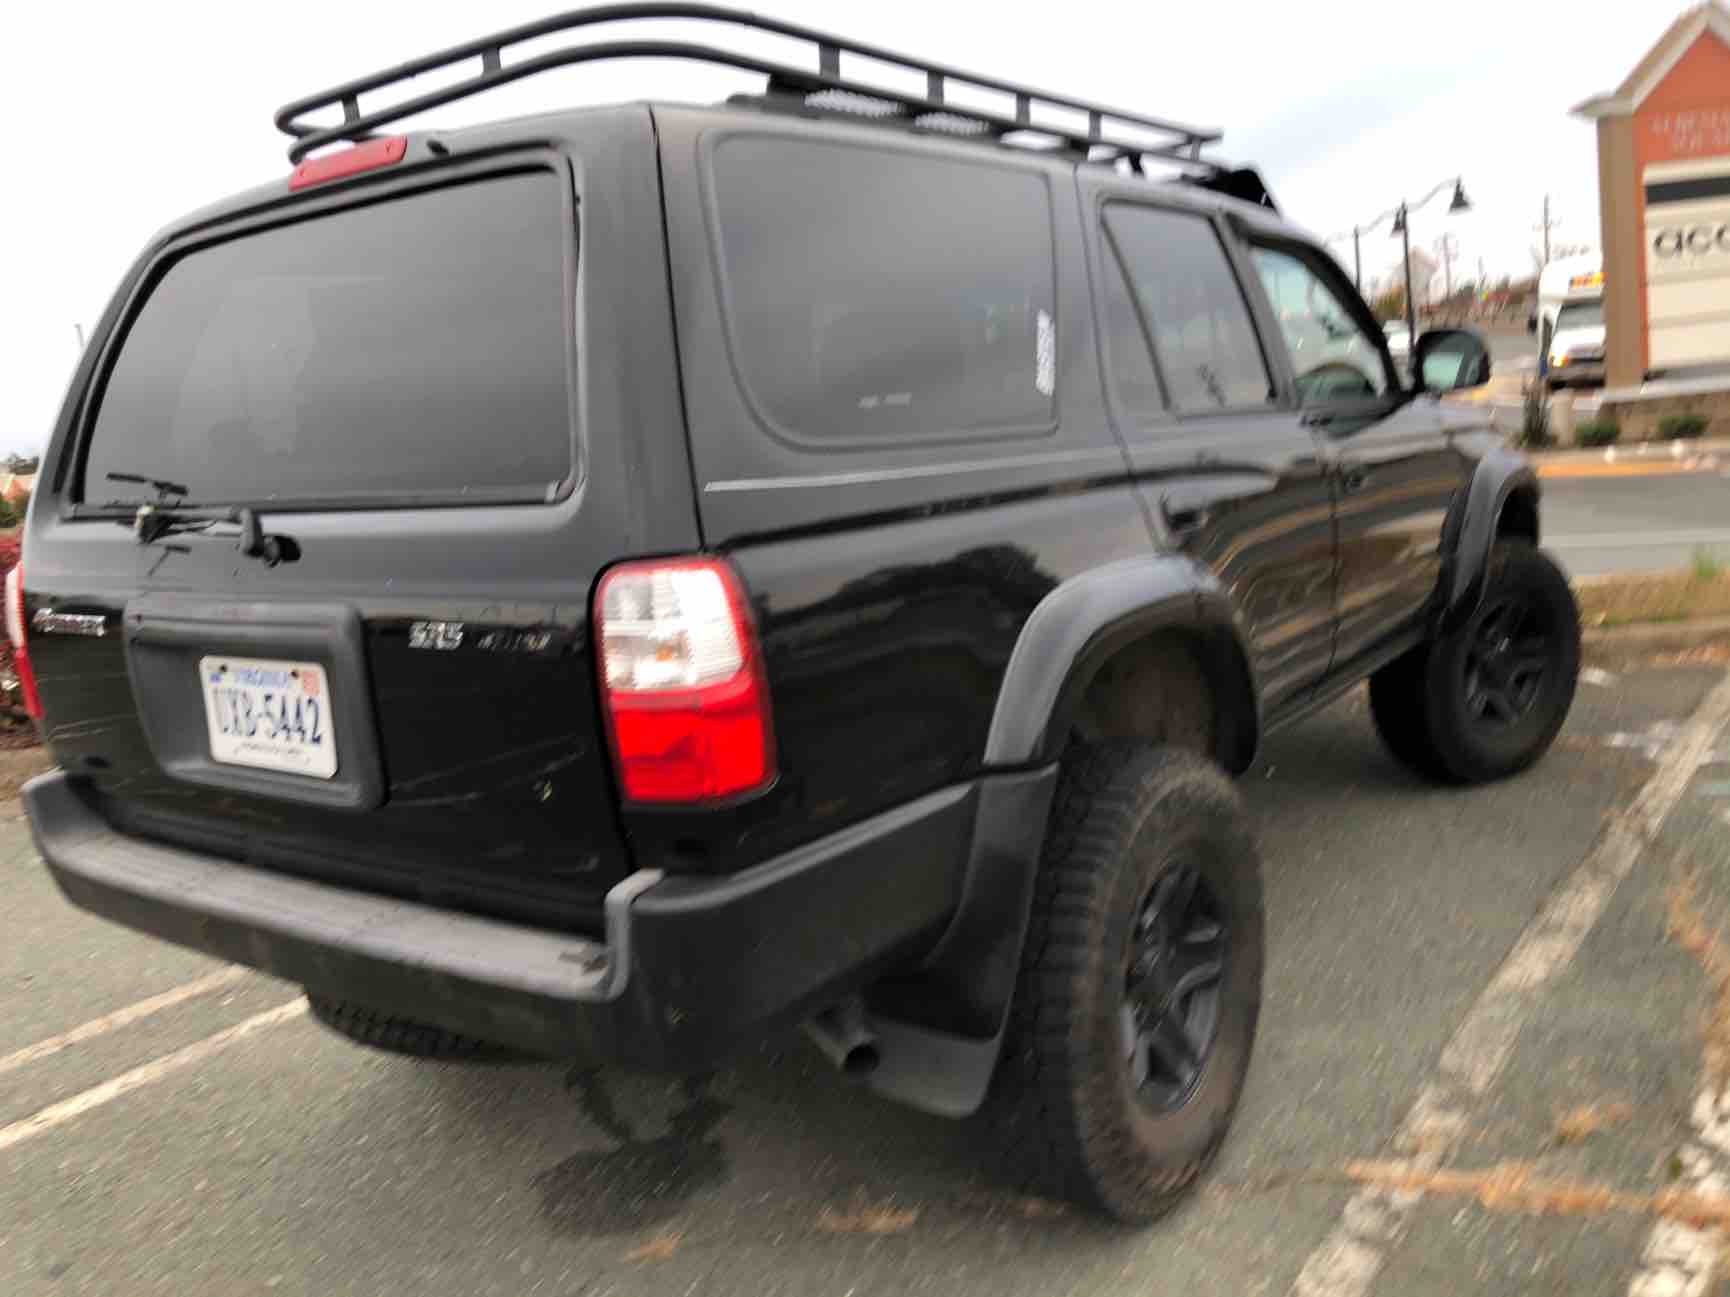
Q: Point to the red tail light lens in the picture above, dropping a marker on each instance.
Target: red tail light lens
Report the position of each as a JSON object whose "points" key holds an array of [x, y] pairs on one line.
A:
{"points": [[20, 646], [682, 682]]}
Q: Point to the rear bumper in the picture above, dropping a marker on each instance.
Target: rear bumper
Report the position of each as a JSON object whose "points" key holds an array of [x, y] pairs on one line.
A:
{"points": [[689, 967]]}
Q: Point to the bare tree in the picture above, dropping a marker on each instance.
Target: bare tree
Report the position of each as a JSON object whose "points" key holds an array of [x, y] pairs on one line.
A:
{"points": [[1557, 252]]}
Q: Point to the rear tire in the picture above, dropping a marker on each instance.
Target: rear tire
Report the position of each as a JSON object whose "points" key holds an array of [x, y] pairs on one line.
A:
{"points": [[403, 1036], [1149, 879], [1488, 699]]}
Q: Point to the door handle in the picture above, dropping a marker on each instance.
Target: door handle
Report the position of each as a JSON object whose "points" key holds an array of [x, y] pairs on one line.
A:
{"points": [[1183, 519], [1353, 478]]}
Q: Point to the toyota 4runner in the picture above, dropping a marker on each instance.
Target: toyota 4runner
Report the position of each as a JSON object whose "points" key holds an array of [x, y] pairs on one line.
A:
{"points": [[618, 582]]}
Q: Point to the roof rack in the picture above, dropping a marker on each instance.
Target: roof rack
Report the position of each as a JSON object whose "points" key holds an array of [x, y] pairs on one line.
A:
{"points": [[1104, 138]]}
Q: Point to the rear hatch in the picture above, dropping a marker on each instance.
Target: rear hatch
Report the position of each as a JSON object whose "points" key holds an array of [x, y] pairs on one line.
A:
{"points": [[390, 380]]}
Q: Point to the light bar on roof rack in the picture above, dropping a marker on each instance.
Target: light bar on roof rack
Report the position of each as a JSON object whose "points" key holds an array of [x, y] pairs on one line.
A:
{"points": [[1104, 136]]}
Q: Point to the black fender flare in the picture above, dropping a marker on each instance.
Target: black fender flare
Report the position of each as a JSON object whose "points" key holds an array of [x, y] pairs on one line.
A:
{"points": [[941, 1026], [1501, 474], [1079, 625]]}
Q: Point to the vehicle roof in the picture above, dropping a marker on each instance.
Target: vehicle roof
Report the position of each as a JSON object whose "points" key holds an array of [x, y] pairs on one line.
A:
{"points": [[1553, 280], [548, 126]]}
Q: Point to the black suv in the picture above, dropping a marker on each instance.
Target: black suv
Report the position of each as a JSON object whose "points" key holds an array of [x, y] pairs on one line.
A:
{"points": [[618, 582]]}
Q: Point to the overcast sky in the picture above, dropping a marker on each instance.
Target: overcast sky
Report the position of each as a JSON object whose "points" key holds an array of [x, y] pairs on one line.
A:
{"points": [[118, 118]]}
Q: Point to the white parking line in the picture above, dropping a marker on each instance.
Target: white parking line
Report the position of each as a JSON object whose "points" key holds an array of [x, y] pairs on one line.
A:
{"points": [[58, 1114], [121, 1017], [1349, 1259], [1680, 1259]]}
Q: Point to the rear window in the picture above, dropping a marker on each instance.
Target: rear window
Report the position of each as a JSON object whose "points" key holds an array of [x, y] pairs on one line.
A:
{"points": [[415, 347], [878, 296]]}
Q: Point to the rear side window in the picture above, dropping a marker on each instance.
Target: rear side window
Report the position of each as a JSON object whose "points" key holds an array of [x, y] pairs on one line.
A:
{"points": [[1203, 341], [413, 347], [879, 297]]}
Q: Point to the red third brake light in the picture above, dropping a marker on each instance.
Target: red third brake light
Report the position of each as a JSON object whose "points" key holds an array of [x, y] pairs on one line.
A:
{"points": [[682, 682], [350, 162], [20, 647]]}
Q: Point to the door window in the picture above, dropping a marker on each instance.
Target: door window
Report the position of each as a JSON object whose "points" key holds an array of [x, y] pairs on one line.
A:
{"points": [[1192, 310], [1334, 358]]}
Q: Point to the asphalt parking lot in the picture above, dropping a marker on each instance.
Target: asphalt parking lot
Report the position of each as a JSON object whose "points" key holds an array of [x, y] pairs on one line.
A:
{"points": [[1490, 1017]]}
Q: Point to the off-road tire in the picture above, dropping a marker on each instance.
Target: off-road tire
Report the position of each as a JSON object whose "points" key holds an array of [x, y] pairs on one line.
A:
{"points": [[404, 1036], [1419, 701], [1063, 1098], [1397, 694]]}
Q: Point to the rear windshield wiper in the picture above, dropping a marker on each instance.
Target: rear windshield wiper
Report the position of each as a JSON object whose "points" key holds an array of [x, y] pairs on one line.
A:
{"points": [[153, 522], [164, 488]]}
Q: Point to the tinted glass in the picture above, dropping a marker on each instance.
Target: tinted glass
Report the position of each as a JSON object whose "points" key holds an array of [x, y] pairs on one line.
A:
{"points": [[1333, 357], [1202, 336], [878, 296], [1131, 364], [1580, 315], [415, 346]]}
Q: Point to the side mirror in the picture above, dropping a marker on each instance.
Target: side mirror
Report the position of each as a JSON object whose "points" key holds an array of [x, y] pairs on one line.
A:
{"points": [[1450, 360]]}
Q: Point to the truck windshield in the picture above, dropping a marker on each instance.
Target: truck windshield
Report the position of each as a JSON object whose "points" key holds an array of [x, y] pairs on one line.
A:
{"points": [[1580, 315], [409, 348]]}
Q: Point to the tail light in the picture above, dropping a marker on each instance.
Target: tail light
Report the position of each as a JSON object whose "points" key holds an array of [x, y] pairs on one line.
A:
{"points": [[682, 683], [20, 645], [383, 152]]}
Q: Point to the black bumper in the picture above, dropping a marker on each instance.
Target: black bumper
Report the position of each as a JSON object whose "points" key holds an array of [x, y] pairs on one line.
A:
{"points": [[689, 967]]}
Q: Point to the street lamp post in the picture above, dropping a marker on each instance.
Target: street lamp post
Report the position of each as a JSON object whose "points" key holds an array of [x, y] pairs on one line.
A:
{"points": [[1399, 212], [1406, 259], [1459, 203]]}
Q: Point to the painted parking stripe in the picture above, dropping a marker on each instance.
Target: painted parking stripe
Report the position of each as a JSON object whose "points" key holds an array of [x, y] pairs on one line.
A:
{"points": [[120, 1018], [1680, 1259], [1348, 1260], [67, 1110]]}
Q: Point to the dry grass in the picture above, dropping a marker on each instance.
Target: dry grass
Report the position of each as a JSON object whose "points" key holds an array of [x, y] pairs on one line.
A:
{"points": [[1716, 653], [1688, 928], [1588, 1119], [19, 765], [1654, 597], [866, 1217], [658, 1248], [1515, 1187]]}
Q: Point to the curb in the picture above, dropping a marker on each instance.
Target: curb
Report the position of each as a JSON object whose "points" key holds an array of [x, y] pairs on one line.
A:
{"points": [[1675, 634], [1634, 451]]}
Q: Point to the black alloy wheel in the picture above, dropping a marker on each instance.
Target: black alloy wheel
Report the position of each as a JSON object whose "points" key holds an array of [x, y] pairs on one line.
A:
{"points": [[1174, 966], [1511, 651]]}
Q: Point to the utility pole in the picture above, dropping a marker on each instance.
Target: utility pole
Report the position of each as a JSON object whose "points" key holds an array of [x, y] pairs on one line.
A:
{"points": [[1546, 227], [1357, 262], [1449, 248]]}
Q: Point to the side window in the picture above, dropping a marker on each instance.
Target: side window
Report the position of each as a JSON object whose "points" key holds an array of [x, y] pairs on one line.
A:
{"points": [[876, 296], [1333, 357], [1127, 357], [1203, 340]]}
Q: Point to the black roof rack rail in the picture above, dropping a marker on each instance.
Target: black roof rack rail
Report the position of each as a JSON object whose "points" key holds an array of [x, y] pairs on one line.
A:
{"points": [[1104, 137]]}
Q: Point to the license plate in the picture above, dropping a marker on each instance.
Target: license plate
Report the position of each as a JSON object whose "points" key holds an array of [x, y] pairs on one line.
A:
{"points": [[272, 715]]}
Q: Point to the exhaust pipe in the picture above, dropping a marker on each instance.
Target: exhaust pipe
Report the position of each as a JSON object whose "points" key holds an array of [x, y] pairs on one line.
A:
{"points": [[845, 1038]]}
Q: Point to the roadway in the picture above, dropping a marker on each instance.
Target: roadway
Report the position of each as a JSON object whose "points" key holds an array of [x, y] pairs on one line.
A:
{"points": [[1640, 520], [1484, 993], [1638, 510]]}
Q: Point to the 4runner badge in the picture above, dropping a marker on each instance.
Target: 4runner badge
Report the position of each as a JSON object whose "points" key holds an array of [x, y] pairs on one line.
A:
{"points": [[435, 635]]}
